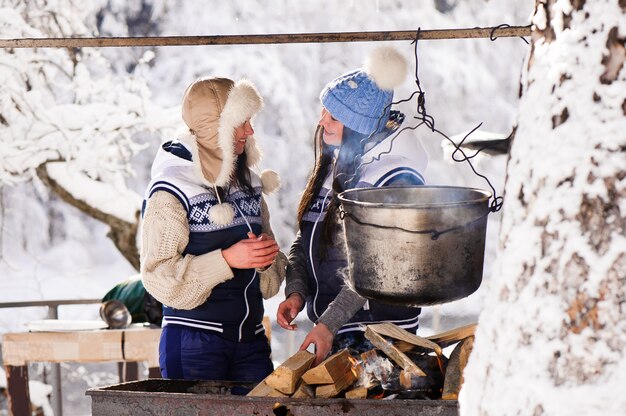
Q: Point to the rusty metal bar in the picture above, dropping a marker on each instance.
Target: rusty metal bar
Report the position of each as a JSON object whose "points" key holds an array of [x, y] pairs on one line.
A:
{"points": [[48, 303], [154, 372], [55, 371], [128, 371], [17, 388], [468, 33]]}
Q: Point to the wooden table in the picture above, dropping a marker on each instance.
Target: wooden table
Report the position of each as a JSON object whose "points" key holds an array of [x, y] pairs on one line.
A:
{"points": [[19, 349]]}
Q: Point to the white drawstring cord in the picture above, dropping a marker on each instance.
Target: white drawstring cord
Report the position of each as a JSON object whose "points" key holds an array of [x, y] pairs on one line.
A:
{"points": [[245, 292], [317, 283], [243, 216], [219, 200]]}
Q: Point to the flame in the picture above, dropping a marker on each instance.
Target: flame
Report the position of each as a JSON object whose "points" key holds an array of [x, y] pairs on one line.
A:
{"points": [[356, 366], [378, 396], [353, 361]]}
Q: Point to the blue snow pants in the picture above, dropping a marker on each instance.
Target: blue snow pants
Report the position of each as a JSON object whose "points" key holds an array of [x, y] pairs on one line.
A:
{"points": [[199, 354]]}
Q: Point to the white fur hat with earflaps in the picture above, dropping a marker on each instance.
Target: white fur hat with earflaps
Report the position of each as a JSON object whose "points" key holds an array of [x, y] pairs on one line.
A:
{"points": [[212, 109]]}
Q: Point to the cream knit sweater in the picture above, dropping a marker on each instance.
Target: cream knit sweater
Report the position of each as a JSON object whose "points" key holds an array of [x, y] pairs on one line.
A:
{"points": [[185, 282]]}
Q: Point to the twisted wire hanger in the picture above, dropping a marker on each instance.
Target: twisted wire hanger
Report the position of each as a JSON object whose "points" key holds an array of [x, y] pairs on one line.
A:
{"points": [[424, 118]]}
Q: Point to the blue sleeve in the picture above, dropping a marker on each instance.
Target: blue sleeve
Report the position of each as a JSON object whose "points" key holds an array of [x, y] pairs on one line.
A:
{"points": [[401, 176], [172, 189]]}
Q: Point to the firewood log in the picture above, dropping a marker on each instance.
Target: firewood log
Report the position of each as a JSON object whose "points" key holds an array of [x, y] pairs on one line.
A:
{"points": [[404, 346], [285, 378], [392, 352], [331, 390], [454, 373], [303, 391], [330, 370], [357, 393], [429, 386], [393, 331], [369, 357], [263, 390], [453, 336]]}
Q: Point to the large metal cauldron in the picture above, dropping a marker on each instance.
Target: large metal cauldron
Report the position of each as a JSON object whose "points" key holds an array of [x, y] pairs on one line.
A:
{"points": [[415, 245]]}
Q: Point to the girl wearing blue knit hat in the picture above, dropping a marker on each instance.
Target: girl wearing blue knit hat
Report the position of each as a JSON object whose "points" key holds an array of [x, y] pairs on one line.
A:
{"points": [[354, 150]]}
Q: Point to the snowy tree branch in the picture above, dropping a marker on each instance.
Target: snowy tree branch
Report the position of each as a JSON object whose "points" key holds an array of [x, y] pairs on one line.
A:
{"points": [[123, 233]]}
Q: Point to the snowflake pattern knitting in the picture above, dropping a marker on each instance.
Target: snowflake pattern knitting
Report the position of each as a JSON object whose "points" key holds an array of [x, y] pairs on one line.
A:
{"points": [[313, 214], [242, 203]]}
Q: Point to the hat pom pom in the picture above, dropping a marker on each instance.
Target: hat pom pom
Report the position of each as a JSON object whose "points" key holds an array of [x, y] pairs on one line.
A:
{"points": [[221, 214], [386, 67], [270, 181]]}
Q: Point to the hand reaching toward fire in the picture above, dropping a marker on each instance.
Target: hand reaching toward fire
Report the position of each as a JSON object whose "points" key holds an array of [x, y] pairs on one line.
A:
{"points": [[321, 336], [288, 310]]}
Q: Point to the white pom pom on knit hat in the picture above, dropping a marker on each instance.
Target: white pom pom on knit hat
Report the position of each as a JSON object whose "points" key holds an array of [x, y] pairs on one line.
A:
{"points": [[386, 67]]}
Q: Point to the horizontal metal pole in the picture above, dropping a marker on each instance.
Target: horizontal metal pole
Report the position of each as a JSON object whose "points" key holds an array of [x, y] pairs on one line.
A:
{"points": [[468, 33], [49, 303]]}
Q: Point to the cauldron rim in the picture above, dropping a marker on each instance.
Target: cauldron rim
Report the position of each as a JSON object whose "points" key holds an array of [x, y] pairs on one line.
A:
{"points": [[344, 197]]}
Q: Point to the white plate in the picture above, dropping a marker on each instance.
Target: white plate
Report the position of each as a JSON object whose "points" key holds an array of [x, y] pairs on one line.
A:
{"points": [[59, 325]]}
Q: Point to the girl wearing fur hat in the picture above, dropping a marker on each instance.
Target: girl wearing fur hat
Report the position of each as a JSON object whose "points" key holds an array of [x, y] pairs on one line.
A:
{"points": [[208, 252], [354, 150]]}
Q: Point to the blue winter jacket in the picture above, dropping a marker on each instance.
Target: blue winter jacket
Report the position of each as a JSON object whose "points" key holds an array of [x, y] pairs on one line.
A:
{"points": [[234, 309]]}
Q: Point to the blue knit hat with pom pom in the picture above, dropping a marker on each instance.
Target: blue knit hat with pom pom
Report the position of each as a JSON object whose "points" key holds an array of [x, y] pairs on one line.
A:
{"points": [[361, 99]]}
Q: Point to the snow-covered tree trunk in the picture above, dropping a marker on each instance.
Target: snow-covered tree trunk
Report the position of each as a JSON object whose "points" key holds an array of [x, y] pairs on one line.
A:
{"points": [[551, 339]]}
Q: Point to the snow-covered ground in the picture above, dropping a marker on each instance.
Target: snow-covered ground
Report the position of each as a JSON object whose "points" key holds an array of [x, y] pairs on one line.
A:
{"points": [[49, 250]]}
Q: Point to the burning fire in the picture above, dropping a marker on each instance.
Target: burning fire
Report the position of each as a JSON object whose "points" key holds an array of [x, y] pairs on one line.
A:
{"points": [[357, 368], [378, 396]]}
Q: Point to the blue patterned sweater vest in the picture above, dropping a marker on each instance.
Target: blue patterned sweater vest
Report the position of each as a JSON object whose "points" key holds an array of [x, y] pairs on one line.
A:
{"points": [[326, 276], [234, 309]]}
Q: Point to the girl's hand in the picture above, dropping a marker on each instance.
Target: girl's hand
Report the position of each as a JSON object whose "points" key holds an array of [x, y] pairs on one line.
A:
{"points": [[262, 237], [321, 336], [253, 253], [288, 310]]}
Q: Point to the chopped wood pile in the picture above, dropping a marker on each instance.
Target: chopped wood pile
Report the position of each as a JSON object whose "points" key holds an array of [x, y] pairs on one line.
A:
{"points": [[402, 365]]}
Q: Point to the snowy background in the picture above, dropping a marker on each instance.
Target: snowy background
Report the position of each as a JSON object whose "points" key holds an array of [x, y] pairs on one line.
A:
{"points": [[107, 110]]}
